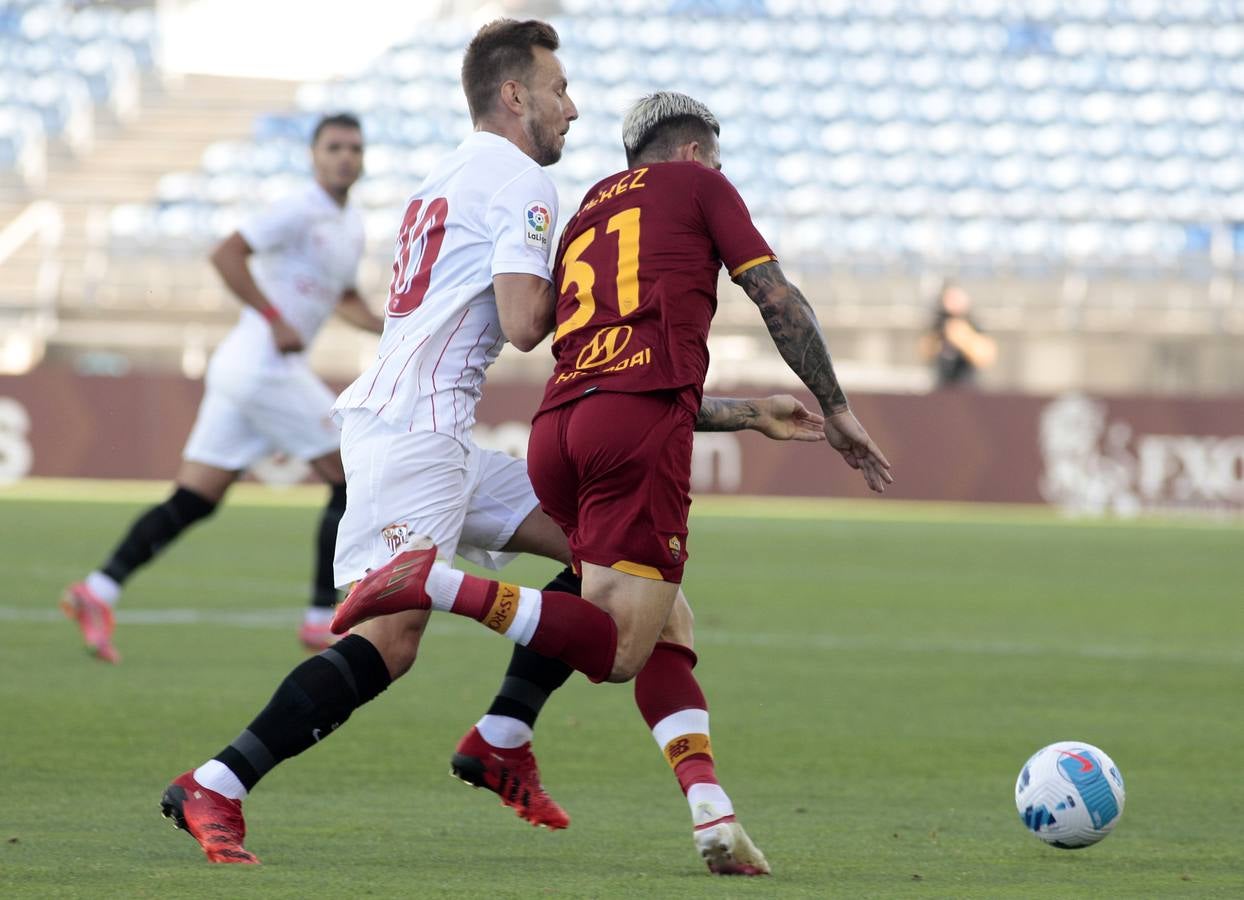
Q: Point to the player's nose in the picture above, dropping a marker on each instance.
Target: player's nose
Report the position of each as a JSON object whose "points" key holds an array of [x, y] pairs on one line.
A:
{"points": [[572, 111]]}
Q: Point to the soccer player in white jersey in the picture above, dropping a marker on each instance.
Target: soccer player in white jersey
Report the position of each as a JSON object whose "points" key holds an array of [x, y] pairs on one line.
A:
{"points": [[291, 266], [471, 272]]}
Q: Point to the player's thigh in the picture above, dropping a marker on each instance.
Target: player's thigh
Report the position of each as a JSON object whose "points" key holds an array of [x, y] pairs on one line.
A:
{"points": [[293, 410], [633, 457], [223, 437], [540, 535], [680, 626], [503, 515], [401, 485], [640, 607]]}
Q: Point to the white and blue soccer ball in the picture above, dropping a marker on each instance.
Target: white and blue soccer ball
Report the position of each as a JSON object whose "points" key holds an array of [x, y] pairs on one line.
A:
{"points": [[1069, 794]]}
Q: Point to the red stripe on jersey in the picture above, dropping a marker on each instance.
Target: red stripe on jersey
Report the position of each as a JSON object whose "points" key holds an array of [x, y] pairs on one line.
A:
{"points": [[480, 337], [383, 363], [399, 374], [448, 341]]}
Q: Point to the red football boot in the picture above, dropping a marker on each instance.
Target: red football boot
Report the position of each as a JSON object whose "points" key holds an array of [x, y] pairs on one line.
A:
{"points": [[214, 821], [511, 774], [94, 618], [396, 586]]}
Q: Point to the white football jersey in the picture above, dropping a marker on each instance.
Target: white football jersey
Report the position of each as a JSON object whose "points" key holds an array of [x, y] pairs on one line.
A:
{"points": [[306, 253], [485, 210]]}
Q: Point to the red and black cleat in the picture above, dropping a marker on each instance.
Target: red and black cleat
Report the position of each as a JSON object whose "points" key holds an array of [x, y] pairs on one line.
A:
{"points": [[396, 586], [214, 821], [511, 774]]}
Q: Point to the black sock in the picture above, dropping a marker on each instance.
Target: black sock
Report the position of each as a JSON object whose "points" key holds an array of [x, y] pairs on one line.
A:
{"points": [[531, 678], [314, 700], [154, 530], [324, 594]]}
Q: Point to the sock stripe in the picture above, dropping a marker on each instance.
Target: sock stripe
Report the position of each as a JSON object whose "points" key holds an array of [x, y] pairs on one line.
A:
{"points": [[504, 608], [520, 690], [343, 666], [687, 745], [254, 752]]}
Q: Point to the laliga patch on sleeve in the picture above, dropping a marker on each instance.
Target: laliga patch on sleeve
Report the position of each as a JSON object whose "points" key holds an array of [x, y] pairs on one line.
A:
{"points": [[538, 223]]}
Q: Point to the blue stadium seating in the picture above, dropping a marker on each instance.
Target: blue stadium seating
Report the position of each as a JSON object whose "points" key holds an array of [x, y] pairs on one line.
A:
{"points": [[1049, 134], [58, 63]]}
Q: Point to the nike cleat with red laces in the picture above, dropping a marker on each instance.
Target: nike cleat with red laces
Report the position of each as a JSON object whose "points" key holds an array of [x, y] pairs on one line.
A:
{"points": [[94, 618], [214, 821], [727, 849], [396, 586], [512, 775]]}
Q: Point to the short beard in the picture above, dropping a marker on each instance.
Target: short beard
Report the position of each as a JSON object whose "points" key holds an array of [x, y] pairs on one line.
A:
{"points": [[544, 145]]}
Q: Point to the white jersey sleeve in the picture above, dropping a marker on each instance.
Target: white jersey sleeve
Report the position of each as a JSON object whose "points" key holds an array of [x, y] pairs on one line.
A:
{"points": [[520, 219]]}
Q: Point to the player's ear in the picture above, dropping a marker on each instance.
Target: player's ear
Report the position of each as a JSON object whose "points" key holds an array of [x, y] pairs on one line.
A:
{"points": [[513, 96], [688, 152]]}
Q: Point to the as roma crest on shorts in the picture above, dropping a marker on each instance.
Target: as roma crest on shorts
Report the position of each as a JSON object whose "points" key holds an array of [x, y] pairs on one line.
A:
{"points": [[395, 535], [675, 546]]}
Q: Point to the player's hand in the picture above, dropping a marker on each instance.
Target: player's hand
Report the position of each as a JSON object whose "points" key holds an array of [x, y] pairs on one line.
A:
{"points": [[846, 435], [783, 418], [286, 338]]}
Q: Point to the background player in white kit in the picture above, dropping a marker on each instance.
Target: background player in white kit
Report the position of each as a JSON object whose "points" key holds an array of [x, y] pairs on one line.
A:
{"points": [[291, 266]]}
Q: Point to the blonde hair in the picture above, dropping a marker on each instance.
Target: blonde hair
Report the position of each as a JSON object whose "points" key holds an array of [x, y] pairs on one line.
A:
{"points": [[662, 118]]}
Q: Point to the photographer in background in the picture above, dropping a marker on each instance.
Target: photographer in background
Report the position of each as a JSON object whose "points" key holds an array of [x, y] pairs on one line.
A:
{"points": [[954, 343]]}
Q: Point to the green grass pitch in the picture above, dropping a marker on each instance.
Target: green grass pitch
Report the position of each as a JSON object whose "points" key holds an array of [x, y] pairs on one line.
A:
{"points": [[877, 674]]}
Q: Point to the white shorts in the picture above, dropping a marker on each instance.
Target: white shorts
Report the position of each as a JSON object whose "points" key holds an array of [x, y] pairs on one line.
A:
{"points": [[245, 419], [402, 484]]}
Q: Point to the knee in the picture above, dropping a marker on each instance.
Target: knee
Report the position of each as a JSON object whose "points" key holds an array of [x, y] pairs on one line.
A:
{"points": [[189, 506], [397, 638], [627, 662]]}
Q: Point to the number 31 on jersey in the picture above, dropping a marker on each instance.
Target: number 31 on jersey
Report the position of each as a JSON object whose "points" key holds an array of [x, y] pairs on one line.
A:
{"points": [[578, 272]]}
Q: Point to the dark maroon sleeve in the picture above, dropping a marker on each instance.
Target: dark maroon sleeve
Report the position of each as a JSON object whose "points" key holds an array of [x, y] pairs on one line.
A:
{"points": [[729, 224]]}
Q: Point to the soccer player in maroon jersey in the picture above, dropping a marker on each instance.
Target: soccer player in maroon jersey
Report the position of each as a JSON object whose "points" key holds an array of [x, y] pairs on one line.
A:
{"points": [[611, 444]]}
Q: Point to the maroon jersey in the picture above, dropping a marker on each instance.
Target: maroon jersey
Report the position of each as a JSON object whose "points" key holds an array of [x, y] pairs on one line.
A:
{"points": [[636, 274]]}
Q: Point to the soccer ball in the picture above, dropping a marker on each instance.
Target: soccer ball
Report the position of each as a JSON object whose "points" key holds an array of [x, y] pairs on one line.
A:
{"points": [[1069, 794]]}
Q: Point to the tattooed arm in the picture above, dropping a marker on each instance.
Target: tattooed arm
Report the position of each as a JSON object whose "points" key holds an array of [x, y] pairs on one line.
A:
{"points": [[797, 335], [780, 417], [795, 331]]}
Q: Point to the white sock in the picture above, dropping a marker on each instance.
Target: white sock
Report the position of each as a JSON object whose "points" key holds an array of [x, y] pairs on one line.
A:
{"points": [[503, 731], [526, 617], [317, 615], [104, 588], [708, 803], [443, 584], [216, 776], [675, 725]]}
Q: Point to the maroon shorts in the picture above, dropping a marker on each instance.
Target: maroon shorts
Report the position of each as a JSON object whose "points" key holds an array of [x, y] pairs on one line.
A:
{"points": [[614, 471]]}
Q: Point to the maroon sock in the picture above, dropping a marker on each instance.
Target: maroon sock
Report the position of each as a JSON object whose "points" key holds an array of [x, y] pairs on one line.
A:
{"points": [[577, 632], [571, 629], [667, 685]]}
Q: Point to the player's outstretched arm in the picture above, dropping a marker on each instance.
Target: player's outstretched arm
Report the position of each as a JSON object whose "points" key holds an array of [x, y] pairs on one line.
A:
{"points": [[525, 306], [352, 308], [780, 417], [229, 259], [797, 335]]}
